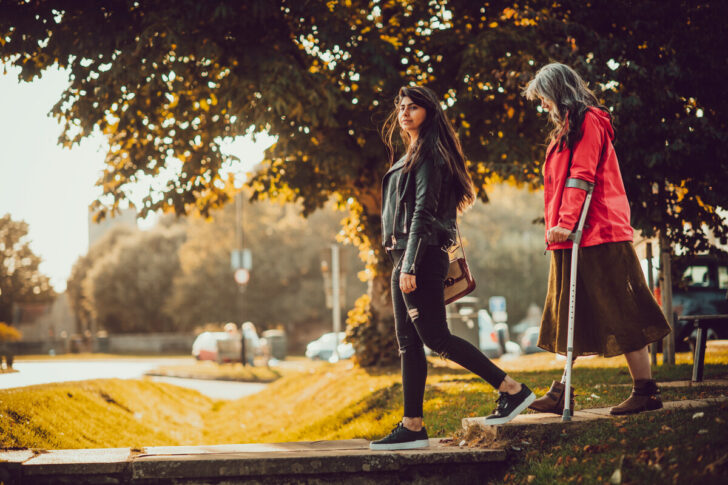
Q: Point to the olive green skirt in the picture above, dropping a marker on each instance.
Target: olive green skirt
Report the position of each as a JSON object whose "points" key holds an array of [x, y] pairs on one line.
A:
{"points": [[615, 310]]}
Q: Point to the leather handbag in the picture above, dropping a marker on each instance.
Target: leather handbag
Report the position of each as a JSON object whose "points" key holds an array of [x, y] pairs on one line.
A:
{"points": [[459, 281]]}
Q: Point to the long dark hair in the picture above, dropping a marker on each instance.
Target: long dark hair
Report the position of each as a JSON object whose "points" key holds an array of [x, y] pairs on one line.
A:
{"points": [[436, 138], [571, 97]]}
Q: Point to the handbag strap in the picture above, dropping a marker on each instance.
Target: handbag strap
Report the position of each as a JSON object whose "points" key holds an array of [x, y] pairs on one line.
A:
{"points": [[460, 240]]}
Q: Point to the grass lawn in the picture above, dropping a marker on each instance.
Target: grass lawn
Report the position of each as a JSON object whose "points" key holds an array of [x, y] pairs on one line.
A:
{"points": [[676, 447], [338, 401]]}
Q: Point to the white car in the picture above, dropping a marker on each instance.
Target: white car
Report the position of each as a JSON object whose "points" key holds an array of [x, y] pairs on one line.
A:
{"points": [[487, 336], [323, 347], [205, 345]]}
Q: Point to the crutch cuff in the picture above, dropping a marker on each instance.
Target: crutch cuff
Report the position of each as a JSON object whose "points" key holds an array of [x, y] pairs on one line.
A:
{"points": [[574, 183]]}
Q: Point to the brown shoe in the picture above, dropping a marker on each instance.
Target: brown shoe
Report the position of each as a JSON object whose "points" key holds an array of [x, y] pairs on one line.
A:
{"points": [[553, 401], [645, 397]]}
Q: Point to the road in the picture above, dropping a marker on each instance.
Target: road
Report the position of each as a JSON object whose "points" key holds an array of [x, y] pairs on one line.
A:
{"points": [[48, 371]]}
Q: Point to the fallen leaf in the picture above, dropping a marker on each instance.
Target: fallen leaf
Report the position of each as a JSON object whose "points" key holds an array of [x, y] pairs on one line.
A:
{"points": [[703, 431], [698, 415]]}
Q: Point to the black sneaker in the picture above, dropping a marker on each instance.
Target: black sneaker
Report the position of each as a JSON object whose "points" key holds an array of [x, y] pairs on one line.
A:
{"points": [[402, 438], [511, 405]]}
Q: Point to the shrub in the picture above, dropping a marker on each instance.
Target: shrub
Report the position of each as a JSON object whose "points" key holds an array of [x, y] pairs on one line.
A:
{"points": [[8, 333]]}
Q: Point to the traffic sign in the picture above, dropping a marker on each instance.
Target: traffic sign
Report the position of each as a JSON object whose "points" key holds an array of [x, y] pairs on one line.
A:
{"points": [[242, 276]]}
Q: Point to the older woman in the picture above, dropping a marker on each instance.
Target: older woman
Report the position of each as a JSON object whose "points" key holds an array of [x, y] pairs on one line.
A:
{"points": [[615, 311]]}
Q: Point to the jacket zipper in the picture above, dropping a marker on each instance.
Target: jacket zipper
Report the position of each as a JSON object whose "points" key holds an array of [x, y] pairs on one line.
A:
{"points": [[405, 217], [394, 221]]}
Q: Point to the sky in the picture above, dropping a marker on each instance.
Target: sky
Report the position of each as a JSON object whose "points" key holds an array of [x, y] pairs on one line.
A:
{"points": [[51, 187]]}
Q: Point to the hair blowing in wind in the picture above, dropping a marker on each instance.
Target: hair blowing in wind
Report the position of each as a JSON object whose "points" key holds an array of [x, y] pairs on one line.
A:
{"points": [[436, 138]]}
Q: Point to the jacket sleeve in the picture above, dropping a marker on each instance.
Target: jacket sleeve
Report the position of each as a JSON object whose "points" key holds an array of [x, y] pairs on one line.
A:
{"points": [[428, 181], [584, 167]]}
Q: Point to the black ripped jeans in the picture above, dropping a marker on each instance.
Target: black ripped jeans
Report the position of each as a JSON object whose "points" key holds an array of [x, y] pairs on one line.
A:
{"points": [[420, 318]]}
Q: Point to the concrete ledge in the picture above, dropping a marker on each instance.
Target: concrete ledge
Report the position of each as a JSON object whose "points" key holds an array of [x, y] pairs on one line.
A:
{"points": [[345, 461], [538, 424]]}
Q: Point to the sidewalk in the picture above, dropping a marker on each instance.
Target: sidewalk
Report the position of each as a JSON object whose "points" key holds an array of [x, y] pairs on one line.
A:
{"points": [[343, 461]]}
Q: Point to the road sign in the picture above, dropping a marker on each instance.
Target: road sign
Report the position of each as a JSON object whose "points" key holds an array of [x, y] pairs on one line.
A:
{"points": [[242, 276], [241, 258]]}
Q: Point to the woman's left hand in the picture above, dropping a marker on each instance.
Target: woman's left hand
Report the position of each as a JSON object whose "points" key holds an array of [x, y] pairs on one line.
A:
{"points": [[557, 234], [407, 282]]}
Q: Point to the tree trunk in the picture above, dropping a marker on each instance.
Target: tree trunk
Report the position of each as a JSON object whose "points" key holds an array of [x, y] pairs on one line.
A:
{"points": [[370, 324]]}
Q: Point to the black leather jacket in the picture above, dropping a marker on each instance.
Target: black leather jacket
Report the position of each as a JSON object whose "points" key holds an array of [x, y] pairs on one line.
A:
{"points": [[424, 211]]}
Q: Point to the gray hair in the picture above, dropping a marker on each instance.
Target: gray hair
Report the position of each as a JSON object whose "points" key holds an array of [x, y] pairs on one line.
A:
{"points": [[567, 91]]}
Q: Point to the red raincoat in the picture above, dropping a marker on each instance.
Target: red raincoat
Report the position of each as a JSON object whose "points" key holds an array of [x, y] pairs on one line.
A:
{"points": [[595, 161]]}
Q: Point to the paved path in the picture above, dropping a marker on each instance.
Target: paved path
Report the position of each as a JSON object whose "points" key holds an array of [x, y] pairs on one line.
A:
{"points": [[49, 371], [343, 461], [547, 422]]}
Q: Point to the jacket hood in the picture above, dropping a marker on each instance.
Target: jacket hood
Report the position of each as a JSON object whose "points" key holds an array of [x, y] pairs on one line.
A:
{"points": [[605, 120]]}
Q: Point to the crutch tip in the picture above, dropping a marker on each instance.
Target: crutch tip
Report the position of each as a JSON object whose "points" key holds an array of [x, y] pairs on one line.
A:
{"points": [[566, 415]]}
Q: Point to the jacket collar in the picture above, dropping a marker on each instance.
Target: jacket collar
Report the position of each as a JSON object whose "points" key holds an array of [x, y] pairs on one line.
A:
{"points": [[396, 165]]}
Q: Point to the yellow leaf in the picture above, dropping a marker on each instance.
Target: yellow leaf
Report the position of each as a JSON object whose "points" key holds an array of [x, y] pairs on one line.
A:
{"points": [[392, 40]]}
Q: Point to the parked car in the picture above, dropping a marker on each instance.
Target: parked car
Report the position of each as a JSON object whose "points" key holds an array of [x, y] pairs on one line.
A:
{"points": [[488, 339], [529, 340], [205, 345], [503, 335], [227, 346], [323, 347], [699, 288]]}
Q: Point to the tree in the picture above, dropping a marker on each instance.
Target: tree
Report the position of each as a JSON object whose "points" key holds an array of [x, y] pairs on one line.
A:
{"points": [[20, 279], [286, 286], [659, 65], [80, 299], [130, 285], [166, 81]]}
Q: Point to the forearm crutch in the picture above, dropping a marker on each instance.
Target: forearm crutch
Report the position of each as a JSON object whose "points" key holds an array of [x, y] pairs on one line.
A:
{"points": [[576, 238]]}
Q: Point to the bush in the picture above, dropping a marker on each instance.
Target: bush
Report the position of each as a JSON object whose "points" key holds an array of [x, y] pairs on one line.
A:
{"points": [[8, 333], [373, 342]]}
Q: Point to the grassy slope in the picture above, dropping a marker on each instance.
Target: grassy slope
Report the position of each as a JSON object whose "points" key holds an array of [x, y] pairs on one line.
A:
{"points": [[327, 401], [100, 414]]}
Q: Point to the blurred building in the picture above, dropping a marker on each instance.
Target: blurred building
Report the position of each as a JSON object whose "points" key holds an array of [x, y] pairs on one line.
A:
{"points": [[44, 325]]}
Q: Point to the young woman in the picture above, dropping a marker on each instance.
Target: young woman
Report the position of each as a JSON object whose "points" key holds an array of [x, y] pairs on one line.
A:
{"points": [[615, 311], [421, 195]]}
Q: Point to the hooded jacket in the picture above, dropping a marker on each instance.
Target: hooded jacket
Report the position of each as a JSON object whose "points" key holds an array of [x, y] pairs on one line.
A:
{"points": [[595, 161]]}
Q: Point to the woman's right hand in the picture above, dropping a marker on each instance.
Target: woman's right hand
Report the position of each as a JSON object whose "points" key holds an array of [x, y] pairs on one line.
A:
{"points": [[407, 282], [557, 234]]}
